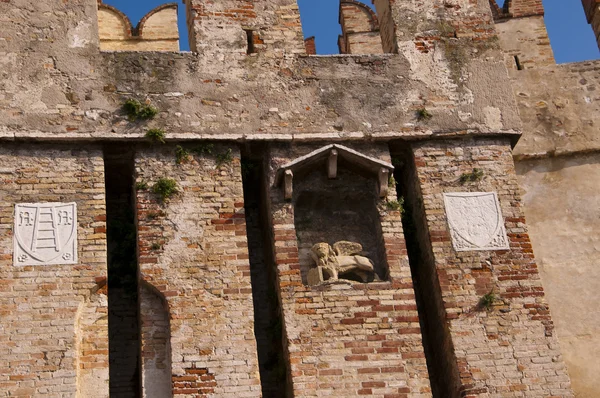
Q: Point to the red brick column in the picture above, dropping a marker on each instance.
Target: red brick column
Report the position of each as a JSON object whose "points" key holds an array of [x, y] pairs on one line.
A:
{"points": [[54, 332], [193, 249], [349, 340], [510, 348]]}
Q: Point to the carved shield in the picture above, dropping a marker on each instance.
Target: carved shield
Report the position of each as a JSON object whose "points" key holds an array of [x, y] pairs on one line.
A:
{"points": [[475, 221], [45, 233]]}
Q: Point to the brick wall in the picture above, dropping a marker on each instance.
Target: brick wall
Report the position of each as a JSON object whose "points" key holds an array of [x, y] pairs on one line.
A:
{"points": [[527, 39], [348, 339], [356, 17], [311, 48], [92, 345], [53, 331], [522, 33], [524, 8], [193, 250], [510, 350]]}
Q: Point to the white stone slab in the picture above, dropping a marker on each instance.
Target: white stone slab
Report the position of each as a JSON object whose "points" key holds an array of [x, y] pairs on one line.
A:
{"points": [[45, 234], [475, 221]]}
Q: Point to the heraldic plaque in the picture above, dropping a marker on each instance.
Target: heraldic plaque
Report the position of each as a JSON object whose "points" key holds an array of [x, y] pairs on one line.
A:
{"points": [[475, 221], [45, 234]]}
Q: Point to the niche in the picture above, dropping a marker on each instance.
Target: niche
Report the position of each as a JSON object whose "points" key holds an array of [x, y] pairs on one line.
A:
{"points": [[335, 192]]}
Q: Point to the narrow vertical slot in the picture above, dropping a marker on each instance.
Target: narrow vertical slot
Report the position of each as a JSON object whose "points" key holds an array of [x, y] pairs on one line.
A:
{"points": [[268, 319], [123, 307], [518, 63], [437, 343], [250, 38]]}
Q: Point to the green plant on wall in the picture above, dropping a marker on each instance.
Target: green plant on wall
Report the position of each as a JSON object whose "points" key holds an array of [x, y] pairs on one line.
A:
{"points": [[396, 205], [156, 135], [224, 157], [152, 215], [423, 114], [392, 182], [203, 149], [135, 110], [487, 300], [165, 188], [181, 155], [141, 186], [475, 175]]}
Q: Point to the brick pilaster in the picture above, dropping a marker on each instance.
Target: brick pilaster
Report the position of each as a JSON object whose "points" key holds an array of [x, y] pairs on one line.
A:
{"points": [[350, 340], [510, 348]]}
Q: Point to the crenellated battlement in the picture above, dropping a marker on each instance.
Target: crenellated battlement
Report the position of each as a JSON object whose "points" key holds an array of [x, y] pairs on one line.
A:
{"points": [[252, 219], [156, 31]]}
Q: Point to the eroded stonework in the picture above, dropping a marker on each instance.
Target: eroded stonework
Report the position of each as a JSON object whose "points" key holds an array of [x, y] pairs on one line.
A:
{"points": [[45, 234], [336, 263], [475, 221]]}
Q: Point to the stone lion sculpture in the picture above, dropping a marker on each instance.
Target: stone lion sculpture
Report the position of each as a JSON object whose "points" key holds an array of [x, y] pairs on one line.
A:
{"points": [[335, 262]]}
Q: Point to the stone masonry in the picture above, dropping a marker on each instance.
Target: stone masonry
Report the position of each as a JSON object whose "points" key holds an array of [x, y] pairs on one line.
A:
{"points": [[203, 179]]}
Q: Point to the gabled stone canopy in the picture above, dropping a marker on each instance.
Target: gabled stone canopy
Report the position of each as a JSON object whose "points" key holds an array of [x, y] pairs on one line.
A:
{"points": [[332, 152]]}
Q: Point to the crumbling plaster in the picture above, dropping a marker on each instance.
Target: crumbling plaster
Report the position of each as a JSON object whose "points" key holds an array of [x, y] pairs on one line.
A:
{"points": [[560, 108], [56, 90]]}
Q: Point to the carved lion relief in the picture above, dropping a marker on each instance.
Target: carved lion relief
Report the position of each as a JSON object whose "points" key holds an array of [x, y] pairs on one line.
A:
{"points": [[342, 261]]}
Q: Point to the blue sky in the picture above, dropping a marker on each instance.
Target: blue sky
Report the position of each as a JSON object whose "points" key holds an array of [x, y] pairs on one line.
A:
{"points": [[571, 37]]}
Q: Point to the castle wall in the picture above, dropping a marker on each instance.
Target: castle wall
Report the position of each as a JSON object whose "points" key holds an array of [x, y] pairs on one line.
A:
{"points": [[193, 250], [560, 108], [442, 89], [527, 40], [291, 96], [558, 168], [510, 348], [54, 326]]}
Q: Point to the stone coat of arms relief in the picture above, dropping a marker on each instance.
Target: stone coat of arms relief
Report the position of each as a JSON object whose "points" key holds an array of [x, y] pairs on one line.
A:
{"points": [[475, 221], [45, 234]]}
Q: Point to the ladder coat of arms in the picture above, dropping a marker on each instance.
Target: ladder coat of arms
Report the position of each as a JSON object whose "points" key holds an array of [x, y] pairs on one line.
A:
{"points": [[45, 234]]}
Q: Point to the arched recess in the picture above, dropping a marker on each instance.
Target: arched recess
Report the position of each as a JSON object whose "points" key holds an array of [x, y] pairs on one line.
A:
{"points": [[155, 342], [91, 331], [335, 192]]}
